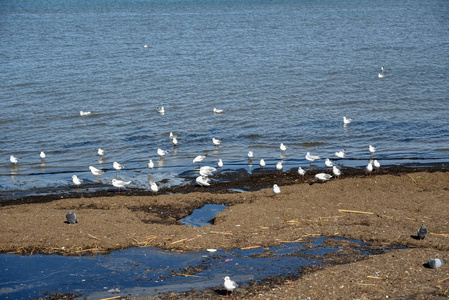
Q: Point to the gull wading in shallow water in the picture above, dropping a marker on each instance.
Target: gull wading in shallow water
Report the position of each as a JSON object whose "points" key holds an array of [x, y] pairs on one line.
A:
{"points": [[84, 113], [312, 158], [117, 167], [279, 167], [101, 152], [119, 183], [340, 154], [207, 171], [150, 164], [376, 165], [262, 164], [229, 285], [154, 188], [42, 155], [199, 159], [13, 159], [372, 149], [217, 111], [283, 147], [76, 181], [369, 168], [276, 191], [250, 154], [220, 163], [328, 163], [95, 171], [160, 110]]}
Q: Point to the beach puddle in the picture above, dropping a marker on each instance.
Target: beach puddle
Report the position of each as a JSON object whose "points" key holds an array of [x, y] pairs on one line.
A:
{"points": [[150, 271], [203, 216]]}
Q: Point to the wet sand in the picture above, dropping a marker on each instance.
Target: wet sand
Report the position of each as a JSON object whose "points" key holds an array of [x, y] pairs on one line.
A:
{"points": [[385, 210]]}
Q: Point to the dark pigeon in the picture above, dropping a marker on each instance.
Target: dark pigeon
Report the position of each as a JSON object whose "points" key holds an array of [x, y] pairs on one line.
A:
{"points": [[71, 217], [435, 263], [422, 232]]}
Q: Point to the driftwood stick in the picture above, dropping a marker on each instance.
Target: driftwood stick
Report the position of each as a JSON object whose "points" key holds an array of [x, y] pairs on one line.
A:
{"points": [[178, 241], [94, 237], [356, 211], [250, 247]]}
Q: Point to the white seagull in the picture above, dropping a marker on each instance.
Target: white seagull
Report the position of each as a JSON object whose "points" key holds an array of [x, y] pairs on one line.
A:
{"points": [[301, 172], [372, 149], [13, 159], [380, 75], [340, 154], [216, 142], [262, 163], [96, 172], [150, 164], [119, 183], [283, 147], [328, 163], [279, 167], [161, 110], [276, 191], [76, 181], [336, 171], [42, 155], [312, 158], [346, 121], [376, 164], [161, 152], [175, 141], [217, 111], [117, 167], [84, 113], [229, 285], [323, 176], [199, 159], [220, 163], [383, 70], [250, 154], [369, 168], [101, 152], [207, 171], [154, 188], [203, 180]]}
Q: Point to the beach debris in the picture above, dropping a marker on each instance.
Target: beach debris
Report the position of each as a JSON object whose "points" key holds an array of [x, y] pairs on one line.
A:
{"points": [[356, 211], [422, 232], [435, 263], [230, 285], [71, 217]]}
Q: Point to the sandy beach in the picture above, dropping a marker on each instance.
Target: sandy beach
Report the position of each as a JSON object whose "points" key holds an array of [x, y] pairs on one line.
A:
{"points": [[385, 210]]}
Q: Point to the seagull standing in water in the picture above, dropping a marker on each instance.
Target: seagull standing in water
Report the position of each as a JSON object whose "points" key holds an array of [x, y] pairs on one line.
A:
{"points": [[372, 149], [119, 183], [262, 163], [217, 111], [328, 163], [84, 113], [42, 155], [276, 191], [376, 165], [117, 167], [175, 141], [161, 110], [220, 163], [96, 172], [199, 159], [76, 181], [283, 147], [250, 154], [101, 152], [229, 285], [340, 154], [150, 165], [312, 158], [14, 159]]}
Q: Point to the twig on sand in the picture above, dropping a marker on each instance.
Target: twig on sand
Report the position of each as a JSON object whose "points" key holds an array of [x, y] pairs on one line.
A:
{"points": [[116, 297], [94, 237], [225, 233], [414, 181], [356, 211], [439, 281], [187, 275], [443, 234], [182, 240], [370, 284], [375, 277]]}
